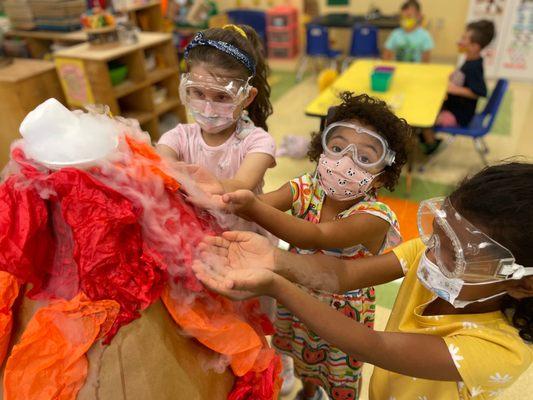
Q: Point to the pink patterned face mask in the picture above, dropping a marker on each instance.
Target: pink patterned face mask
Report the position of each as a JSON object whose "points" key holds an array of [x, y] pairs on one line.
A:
{"points": [[342, 179]]}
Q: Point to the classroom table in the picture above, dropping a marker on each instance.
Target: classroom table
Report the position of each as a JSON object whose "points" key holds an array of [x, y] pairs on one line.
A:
{"points": [[348, 21], [416, 92]]}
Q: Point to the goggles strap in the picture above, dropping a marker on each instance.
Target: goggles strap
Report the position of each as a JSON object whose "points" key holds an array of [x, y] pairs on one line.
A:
{"points": [[516, 271]]}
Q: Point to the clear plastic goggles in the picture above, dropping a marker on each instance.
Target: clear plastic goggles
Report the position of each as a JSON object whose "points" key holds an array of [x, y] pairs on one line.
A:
{"points": [[367, 149], [460, 249], [221, 95]]}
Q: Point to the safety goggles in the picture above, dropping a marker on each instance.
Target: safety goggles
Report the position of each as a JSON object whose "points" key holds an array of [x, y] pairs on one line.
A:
{"points": [[367, 149], [460, 249], [221, 95]]}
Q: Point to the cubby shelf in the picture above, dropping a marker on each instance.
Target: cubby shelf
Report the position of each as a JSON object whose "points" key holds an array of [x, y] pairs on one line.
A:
{"points": [[151, 64]]}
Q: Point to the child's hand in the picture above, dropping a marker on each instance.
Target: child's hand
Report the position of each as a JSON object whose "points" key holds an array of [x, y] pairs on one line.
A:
{"points": [[241, 250], [233, 270], [204, 179], [235, 284], [239, 202]]}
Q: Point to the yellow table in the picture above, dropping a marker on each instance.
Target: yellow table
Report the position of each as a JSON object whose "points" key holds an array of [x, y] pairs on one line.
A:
{"points": [[416, 93]]}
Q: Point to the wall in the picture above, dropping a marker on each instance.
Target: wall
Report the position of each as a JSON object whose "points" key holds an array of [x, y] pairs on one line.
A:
{"points": [[257, 4], [445, 18]]}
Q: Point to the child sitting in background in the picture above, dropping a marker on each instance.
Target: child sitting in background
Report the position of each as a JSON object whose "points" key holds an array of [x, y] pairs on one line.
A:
{"points": [[335, 212], [227, 92], [410, 42], [466, 84]]}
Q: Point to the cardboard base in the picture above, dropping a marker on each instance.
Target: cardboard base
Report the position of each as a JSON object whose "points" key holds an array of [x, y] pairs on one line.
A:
{"points": [[148, 360]]}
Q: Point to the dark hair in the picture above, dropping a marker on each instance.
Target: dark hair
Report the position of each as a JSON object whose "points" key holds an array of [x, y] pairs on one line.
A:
{"points": [[261, 108], [498, 200], [377, 114], [483, 32], [411, 4]]}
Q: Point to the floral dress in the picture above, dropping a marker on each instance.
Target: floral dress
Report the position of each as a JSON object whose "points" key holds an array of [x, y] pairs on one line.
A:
{"points": [[315, 360]]}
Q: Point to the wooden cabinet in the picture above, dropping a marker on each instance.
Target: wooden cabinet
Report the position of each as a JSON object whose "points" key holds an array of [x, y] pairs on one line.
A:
{"points": [[24, 84], [151, 86]]}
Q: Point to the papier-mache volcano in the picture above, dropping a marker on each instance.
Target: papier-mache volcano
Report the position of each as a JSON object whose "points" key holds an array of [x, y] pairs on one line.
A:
{"points": [[97, 296]]}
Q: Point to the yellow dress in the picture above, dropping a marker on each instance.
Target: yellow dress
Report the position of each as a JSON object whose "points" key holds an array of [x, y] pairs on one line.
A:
{"points": [[487, 350]]}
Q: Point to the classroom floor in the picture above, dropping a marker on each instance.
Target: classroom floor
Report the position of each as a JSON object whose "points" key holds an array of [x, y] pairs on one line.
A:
{"points": [[510, 137]]}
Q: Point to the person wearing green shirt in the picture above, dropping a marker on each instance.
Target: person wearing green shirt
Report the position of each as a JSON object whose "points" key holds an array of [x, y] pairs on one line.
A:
{"points": [[410, 42]]}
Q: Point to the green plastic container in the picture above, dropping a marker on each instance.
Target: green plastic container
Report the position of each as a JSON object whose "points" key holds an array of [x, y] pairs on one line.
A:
{"points": [[118, 74], [380, 81]]}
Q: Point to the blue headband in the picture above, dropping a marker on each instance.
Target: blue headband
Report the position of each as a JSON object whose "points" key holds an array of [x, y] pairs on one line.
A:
{"points": [[227, 48]]}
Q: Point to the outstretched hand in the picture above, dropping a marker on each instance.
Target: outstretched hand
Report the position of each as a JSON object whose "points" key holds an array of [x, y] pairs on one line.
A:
{"points": [[238, 265], [239, 202], [203, 178]]}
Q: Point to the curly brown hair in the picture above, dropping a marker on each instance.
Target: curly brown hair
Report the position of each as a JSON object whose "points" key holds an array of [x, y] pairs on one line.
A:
{"points": [[377, 115]]}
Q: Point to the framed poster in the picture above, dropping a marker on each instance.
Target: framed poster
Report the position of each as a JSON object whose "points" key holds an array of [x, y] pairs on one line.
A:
{"points": [[516, 54], [74, 82]]}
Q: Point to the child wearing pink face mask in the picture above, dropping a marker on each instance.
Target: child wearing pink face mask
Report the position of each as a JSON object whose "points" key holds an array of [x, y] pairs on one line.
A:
{"points": [[227, 93], [335, 211]]}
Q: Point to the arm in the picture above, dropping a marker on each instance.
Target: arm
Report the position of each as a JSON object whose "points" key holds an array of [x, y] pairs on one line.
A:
{"points": [[167, 152], [247, 250], [333, 274], [461, 91], [250, 173], [428, 45], [390, 46], [280, 199], [418, 355], [388, 55], [359, 228]]}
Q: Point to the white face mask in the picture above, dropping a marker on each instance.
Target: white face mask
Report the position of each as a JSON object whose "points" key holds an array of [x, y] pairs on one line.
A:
{"points": [[430, 275], [212, 124]]}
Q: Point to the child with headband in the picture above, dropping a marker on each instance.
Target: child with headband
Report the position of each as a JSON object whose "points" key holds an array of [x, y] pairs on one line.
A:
{"points": [[227, 93]]}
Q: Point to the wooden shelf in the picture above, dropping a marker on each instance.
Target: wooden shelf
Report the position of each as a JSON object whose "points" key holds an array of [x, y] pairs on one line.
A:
{"points": [[147, 17], [141, 116], [133, 98], [128, 87], [39, 42], [138, 7], [86, 52], [166, 105], [159, 74], [74, 36]]}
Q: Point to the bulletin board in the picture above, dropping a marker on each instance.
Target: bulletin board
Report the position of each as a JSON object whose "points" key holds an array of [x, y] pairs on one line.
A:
{"points": [[510, 55]]}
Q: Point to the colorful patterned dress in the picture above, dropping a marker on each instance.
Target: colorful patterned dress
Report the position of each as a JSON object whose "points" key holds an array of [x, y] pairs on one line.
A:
{"points": [[315, 360]]}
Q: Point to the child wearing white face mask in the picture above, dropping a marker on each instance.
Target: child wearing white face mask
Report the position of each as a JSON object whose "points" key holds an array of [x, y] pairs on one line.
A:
{"points": [[462, 324], [227, 93], [335, 212]]}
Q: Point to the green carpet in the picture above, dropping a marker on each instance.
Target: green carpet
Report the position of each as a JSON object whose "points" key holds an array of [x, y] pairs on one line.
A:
{"points": [[386, 294], [502, 124], [281, 82]]}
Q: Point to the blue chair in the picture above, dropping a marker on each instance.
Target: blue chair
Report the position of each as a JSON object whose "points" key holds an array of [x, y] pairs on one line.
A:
{"points": [[317, 47], [481, 123], [256, 19], [364, 43]]}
